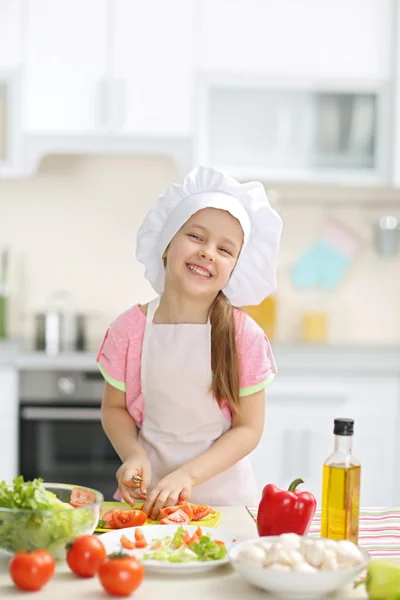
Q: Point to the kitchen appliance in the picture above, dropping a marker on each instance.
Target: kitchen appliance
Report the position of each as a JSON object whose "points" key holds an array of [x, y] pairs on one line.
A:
{"points": [[60, 431], [59, 328], [387, 235], [56, 332]]}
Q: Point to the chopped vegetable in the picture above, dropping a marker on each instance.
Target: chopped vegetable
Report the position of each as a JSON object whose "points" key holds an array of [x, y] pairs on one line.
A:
{"points": [[52, 529], [182, 547], [127, 544], [117, 518]]}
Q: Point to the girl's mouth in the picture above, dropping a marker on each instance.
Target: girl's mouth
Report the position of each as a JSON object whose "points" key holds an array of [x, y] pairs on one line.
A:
{"points": [[199, 271]]}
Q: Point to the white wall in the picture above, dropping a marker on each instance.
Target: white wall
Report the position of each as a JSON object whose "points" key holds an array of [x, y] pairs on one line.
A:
{"points": [[73, 227]]}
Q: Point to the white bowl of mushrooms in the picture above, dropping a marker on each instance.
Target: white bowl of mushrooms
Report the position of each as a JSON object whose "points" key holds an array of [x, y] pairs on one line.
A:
{"points": [[293, 566]]}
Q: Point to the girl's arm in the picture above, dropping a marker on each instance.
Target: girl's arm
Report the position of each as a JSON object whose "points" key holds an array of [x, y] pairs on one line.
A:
{"points": [[235, 444], [120, 429]]}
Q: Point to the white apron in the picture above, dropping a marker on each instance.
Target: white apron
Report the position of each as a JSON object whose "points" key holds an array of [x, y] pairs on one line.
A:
{"points": [[181, 419]]}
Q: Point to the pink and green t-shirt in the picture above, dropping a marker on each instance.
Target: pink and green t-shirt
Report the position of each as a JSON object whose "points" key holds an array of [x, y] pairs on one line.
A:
{"points": [[119, 358]]}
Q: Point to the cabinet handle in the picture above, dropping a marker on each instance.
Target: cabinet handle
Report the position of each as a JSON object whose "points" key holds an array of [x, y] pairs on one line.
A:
{"points": [[103, 103], [121, 102]]}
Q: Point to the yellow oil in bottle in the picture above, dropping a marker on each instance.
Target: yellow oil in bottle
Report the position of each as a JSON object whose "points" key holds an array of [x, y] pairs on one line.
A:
{"points": [[341, 502], [341, 480]]}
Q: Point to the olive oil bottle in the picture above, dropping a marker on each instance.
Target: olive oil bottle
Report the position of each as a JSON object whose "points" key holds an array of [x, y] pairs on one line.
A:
{"points": [[341, 486]]}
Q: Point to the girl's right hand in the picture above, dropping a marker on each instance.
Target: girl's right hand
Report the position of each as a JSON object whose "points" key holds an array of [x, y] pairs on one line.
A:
{"points": [[137, 464]]}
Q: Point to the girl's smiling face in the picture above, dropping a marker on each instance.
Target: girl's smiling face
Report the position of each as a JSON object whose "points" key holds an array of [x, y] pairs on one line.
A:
{"points": [[204, 252]]}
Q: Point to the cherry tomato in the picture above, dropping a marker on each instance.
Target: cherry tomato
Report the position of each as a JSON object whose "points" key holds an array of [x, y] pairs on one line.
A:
{"points": [[85, 555], [128, 518], [140, 540], [168, 510], [177, 517], [31, 570], [200, 511], [127, 544], [120, 574], [80, 497]]}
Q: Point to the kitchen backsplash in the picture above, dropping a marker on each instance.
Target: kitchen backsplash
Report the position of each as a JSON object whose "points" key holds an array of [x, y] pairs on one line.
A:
{"points": [[73, 227]]}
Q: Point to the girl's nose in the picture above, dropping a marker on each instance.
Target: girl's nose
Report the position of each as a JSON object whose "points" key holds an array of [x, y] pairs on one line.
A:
{"points": [[207, 254]]}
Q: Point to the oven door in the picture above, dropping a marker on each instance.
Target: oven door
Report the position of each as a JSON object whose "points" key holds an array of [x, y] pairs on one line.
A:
{"points": [[67, 444]]}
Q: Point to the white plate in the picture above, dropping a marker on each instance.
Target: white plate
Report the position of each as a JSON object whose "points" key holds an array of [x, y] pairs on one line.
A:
{"points": [[112, 543]]}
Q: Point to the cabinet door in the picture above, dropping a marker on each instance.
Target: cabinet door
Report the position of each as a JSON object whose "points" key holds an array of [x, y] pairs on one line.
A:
{"points": [[10, 34], [153, 67], [8, 423], [298, 434], [66, 50], [342, 39]]}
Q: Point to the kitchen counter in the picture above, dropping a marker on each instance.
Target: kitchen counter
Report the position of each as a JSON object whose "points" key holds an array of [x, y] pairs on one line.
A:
{"points": [[221, 584], [290, 358]]}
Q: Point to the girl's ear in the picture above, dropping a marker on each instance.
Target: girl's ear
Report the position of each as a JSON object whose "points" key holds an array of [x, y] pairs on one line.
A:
{"points": [[164, 256]]}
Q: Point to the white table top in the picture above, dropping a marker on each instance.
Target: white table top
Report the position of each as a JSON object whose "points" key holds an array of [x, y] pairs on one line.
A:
{"points": [[220, 584]]}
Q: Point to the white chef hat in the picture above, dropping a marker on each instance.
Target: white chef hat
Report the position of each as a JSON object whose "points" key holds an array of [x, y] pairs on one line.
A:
{"points": [[254, 276]]}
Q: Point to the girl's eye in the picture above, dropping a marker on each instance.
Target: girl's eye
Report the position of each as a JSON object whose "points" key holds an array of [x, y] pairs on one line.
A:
{"points": [[196, 237], [226, 251]]}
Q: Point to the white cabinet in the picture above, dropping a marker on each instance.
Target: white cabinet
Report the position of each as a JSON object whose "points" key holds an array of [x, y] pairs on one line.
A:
{"points": [[10, 34], [8, 423], [288, 130], [66, 66], [298, 434], [152, 63], [347, 39], [115, 67]]}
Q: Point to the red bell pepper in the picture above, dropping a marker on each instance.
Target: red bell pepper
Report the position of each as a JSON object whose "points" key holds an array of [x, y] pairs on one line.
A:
{"points": [[285, 511]]}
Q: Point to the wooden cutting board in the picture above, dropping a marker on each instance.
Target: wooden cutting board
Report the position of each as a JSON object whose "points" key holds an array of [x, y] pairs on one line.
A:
{"points": [[209, 521]]}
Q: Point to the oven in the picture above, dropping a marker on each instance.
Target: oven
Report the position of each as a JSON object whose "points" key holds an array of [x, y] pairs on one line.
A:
{"points": [[60, 431]]}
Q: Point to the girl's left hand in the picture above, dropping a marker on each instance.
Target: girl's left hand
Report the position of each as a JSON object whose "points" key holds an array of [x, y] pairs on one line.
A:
{"points": [[172, 488]]}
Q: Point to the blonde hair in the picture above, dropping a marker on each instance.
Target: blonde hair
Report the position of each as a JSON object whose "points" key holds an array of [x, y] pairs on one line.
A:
{"points": [[224, 357]]}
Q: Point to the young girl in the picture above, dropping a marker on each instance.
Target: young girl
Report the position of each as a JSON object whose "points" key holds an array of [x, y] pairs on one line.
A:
{"points": [[188, 369]]}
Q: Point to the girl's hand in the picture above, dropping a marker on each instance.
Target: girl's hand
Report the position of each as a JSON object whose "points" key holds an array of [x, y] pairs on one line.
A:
{"points": [[172, 488], [137, 464]]}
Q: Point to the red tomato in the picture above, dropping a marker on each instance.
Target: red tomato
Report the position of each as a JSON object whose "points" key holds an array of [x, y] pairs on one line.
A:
{"points": [[109, 518], [85, 555], [125, 543], [177, 517], [80, 497], [140, 540], [169, 510], [31, 570], [120, 575], [200, 511], [128, 518]]}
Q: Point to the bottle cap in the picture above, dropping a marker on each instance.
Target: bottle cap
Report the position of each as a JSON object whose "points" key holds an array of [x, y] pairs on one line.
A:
{"points": [[343, 427]]}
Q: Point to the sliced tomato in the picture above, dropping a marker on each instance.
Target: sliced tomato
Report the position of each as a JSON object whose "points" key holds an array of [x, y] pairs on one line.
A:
{"points": [[198, 532], [127, 544], [140, 540], [81, 497], [194, 539], [199, 510], [219, 543], [155, 545], [128, 518], [177, 517], [108, 517], [169, 510]]}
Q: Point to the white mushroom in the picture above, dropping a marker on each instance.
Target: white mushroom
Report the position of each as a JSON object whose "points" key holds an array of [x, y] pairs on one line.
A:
{"points": [[303, 567], [348, 554], [253, 555], [315, 554], [305, 544], [330, 544], [278, 567], [296, 557], [265, 545], [277, 554], [330, 562], [290, 541]]}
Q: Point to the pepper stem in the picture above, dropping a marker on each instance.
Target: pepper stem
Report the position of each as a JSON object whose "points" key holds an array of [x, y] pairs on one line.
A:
{"points": [[294, 484]]}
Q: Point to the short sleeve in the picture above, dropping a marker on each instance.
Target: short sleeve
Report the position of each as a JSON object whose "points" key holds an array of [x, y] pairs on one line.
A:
{"points": [[256, 362], [112, 356]]}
